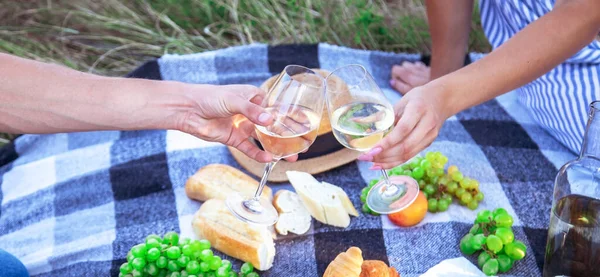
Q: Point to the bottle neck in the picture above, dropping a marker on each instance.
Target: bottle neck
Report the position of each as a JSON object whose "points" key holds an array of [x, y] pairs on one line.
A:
{"points": [[591, 139]]}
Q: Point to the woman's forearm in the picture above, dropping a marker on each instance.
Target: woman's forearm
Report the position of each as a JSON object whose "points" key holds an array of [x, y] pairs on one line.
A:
{"points": [[532, 52], [42, 98], [449, 25]]}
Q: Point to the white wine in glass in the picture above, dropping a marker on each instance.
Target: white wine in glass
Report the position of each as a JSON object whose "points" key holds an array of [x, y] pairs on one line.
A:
{"points": [[296, 102], [360, 117]]}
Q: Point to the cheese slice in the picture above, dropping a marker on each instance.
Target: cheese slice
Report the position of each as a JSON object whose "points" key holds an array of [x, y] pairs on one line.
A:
{"points": [[321, 201], [344, 198]]}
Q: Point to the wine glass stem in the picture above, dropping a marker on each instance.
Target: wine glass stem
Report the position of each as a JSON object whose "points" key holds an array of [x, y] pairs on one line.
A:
{"points": [[268, 168], [389, 189]]}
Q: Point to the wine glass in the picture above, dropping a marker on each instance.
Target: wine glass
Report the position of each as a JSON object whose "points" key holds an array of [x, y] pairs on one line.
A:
{"points": [[360, 117], [296, 102]]}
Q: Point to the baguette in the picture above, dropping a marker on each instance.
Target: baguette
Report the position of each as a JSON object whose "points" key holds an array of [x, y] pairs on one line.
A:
{"points": [[235, 238], [293, 216], [344, 198], [219, 181]]}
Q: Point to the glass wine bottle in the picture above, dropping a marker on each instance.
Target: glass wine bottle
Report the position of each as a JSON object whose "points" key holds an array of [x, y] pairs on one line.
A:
{"points": [[573, 244]]}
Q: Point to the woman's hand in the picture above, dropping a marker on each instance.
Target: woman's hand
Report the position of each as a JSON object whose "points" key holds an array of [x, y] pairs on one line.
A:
{"points": [[407, 76], [420, 116], [227, 114]]}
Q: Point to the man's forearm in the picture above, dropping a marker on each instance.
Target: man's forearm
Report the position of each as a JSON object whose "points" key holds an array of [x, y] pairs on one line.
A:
{"points": [[532, 52], [42, 98], [449, 25]]}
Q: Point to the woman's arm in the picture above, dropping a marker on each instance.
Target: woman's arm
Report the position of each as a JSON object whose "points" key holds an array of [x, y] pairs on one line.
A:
{"points": [[532, 52], [449, 25]]}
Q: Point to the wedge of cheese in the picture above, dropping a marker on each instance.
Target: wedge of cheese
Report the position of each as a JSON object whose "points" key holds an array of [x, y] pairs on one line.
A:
{"points": [[325, 202]]}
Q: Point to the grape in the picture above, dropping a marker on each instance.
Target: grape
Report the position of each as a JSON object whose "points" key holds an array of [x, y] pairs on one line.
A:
{"points": [[460, 192], [221, 272], [137, 273], [422, 184], [474, 184], [152, 243], [172, 266], [466, 246], [452, 169], [173, 252], [151, 269], [475, 229], [182, 261], [215, 262], [439, 172], [478, 241], [444, 180], [418, 173], [464, 183], [186, 250], [430, 156], [407, 173], [484, 216], [479, 196], [499, 211], [162, 273], [473, 205], [184, 242], [505, 234], [494, 243], [206, 255], [138, 263], [432, 205], [373, 183], [246, 268], [516, 250], [204, 267], [490, 267], [210, 274], [431, 172], [252, 274], [443, 205], [483, 258], [192, 267], [447, 197], [425, 164], [226, 264], [139, 251], [466, 198], [429, 189], [505, 263], [365, 209], [175, 274], [452, 187], [457, 176], [414, 162], [233, 274], [153, 254], [171, 238], [426, 195], [503, 220], [130, 256], [365, 191], [125, 268], [434, 180], [161, 262]]}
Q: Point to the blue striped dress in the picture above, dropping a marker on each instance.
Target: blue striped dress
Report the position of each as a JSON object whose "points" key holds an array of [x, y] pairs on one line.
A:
{"points": [[559, 100]]}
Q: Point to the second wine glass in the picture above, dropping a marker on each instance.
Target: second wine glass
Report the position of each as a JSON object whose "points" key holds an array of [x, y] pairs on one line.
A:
{"points": [[361, 116], [296, 102]]}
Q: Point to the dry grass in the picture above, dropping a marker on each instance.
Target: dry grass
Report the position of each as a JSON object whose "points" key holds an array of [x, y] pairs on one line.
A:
{"points": [[113, 37]]}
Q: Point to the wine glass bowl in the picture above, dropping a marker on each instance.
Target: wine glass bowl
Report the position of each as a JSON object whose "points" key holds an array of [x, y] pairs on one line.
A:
{"points": [[296, 102], [361, 116]]}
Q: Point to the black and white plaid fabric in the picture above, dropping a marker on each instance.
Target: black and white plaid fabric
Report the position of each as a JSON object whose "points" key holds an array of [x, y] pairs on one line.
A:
{"points": [[73, 204]]}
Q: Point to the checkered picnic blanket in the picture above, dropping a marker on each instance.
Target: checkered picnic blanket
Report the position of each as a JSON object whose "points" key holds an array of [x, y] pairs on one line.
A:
{"points": [[73, 204]]}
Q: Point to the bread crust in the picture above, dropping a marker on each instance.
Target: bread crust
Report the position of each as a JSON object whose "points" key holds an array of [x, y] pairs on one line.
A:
{"points": [[219, 181], [226, 233], [376, 268]]}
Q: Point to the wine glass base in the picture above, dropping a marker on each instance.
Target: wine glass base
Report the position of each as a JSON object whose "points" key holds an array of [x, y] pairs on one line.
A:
{"points": [[386, 200], [247, 209]]}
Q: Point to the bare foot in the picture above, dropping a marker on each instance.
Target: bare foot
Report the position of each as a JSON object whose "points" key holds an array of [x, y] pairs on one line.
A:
{"points": [[409, 75]]}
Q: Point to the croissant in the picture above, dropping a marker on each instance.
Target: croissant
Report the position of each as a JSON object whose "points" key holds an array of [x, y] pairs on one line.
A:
{"points": [[346, 264], [374, 268]]}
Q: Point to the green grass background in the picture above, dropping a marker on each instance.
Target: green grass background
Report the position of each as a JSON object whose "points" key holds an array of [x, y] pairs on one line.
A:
{"points": [[113, 37]]}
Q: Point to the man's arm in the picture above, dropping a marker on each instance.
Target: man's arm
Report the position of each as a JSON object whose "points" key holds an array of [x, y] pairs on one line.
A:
{"points": [[449, 25], [37, 97], [532, 52]]}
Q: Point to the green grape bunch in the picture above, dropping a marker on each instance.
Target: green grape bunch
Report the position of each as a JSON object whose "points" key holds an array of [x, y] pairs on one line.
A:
{"points": [[170, 256], [440, 186], [492, 234]]}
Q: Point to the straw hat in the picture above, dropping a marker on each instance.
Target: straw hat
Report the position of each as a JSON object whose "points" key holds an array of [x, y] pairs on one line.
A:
{"points": [[324, 154]]}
